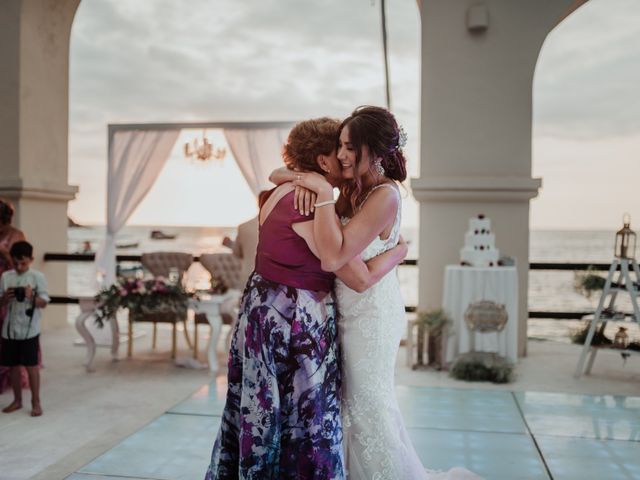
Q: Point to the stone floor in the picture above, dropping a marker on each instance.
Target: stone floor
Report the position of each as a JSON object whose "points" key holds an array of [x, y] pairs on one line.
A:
{"points": [[140, 417]]}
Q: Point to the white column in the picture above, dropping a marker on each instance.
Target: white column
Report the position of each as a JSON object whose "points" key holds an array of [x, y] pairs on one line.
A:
{"points": [[476, 130], [34, 54]]}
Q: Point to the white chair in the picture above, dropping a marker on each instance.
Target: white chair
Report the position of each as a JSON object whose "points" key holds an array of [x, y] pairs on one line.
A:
{"points": [[226, 268]]}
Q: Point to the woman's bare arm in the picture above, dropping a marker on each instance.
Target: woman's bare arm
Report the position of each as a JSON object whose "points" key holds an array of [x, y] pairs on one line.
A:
{"points": [[337, 244], [357, 274], [303, 199], [361, 276], [282, 175]]}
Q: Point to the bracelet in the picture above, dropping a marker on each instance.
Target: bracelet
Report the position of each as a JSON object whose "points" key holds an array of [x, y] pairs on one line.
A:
{"points": [[322, 204]]}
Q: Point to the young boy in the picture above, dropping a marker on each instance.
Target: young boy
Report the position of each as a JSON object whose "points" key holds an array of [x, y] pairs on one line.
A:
{"points": [[24, 290]]}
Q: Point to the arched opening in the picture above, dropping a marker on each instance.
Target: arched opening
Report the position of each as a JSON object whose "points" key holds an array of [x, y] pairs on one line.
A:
{"points": [[586, 136]]}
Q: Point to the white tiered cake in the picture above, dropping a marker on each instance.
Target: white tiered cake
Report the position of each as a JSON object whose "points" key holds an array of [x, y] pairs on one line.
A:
{"points": [[479, 244]]}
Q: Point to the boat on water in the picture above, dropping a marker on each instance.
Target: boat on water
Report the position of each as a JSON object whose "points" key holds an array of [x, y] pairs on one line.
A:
{"points": [[130, 271], [160, 235], [128, 245]]}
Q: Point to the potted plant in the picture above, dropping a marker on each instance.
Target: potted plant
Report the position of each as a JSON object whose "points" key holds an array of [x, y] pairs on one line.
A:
{"points": [[588, 283], [433, 322]]}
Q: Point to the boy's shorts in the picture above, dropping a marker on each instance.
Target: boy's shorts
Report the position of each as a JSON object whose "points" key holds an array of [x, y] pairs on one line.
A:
{"points": [[20, 352]]}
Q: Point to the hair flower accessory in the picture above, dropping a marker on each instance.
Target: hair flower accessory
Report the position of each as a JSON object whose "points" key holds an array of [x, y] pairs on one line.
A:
{"points": [[402, 137]]}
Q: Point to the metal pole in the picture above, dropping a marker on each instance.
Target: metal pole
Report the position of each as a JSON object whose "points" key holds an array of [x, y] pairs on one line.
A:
{"points": [[386, 55]]}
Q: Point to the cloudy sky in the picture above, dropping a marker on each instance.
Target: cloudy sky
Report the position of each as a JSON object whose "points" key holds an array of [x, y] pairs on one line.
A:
{"points": [[231, 60]]}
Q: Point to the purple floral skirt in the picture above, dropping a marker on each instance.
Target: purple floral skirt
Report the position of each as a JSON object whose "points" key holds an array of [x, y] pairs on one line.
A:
{"points": [[282, 414]]}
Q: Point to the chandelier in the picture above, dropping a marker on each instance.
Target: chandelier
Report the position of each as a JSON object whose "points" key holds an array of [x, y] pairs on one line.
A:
{"points": [[204, 151]]}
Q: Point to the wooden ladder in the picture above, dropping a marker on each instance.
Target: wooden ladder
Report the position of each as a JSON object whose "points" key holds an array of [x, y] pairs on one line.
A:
{"points": [[626, 268]]}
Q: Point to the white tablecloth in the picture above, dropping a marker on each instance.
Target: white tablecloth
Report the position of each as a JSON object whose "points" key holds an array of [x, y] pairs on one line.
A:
{"points": [[465, 285]]}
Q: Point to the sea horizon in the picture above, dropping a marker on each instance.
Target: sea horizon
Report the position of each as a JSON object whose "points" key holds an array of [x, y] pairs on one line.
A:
{"points": [[548, 290], [179, 225]]}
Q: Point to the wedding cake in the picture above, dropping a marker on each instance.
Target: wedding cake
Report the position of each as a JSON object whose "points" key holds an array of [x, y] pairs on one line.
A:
{"points": [[479, 244]]}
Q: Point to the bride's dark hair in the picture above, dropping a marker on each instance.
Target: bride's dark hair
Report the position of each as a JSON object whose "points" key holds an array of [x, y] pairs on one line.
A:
{"points": [[378, 129]]}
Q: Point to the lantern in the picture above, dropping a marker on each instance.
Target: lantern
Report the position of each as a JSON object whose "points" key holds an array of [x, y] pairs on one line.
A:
{"points": [[621, 340], [625, 240]]}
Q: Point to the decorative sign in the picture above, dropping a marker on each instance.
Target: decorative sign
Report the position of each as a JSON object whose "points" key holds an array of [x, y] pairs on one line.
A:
{"points": [[486, 316]]}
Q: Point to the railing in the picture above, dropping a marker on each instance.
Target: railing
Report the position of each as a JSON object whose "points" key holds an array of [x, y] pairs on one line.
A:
{"points": [[555, 315]]}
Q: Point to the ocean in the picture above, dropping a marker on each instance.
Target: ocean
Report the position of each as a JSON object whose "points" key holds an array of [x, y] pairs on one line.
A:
{"points": [[548, 290]]}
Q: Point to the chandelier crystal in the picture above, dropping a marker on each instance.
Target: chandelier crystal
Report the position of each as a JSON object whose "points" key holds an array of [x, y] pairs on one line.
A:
{"points": [[203, 150]]}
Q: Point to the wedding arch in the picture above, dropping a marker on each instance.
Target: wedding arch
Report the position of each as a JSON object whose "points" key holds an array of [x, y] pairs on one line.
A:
{"points": [[138, 152]]}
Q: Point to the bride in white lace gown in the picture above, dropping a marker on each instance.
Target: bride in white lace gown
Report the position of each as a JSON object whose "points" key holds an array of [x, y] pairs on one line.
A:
{"points": [[377, 445]]}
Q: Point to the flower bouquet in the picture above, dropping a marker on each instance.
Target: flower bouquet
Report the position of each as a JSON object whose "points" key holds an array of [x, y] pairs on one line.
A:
{"points": [[141, 297]]}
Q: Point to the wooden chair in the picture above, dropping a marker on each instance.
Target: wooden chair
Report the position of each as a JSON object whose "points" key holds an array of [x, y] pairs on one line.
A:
{"points": [[227, 268], [160, 264]]}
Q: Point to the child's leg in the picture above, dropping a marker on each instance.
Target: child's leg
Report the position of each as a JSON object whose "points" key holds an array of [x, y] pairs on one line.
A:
{"points": [[14, 374], [34, 384]]}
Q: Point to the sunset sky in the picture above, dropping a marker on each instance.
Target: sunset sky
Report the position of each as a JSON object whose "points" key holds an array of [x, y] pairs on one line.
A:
{"points": [[230, 60]]}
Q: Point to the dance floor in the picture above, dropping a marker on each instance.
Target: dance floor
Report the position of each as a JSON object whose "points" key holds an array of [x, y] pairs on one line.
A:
{"points": [[499, 435]]}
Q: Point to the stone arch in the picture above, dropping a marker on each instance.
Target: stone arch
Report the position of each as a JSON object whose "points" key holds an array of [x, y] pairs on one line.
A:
{"points": [[34, 51]]}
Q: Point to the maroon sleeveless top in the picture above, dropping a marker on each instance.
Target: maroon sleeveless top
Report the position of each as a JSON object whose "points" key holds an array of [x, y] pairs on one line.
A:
{"points": [[283, 256]]}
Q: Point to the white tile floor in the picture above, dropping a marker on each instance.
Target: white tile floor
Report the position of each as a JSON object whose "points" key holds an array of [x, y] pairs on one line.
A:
{"points": [[94, 413], [497, 434]]}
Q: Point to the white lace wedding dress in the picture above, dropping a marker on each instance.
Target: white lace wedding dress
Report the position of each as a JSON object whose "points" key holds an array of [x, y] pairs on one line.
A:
{"points": [[377, 446]]}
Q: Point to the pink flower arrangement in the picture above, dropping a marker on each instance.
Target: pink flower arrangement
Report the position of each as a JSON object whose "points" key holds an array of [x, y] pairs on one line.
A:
{"points": [[141, 296]]}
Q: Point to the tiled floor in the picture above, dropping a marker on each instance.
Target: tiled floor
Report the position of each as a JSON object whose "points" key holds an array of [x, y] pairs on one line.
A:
{"points": [[497, 434]]}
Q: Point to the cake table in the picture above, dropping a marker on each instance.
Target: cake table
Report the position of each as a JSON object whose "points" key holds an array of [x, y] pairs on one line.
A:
{"points": [[464, 285]]}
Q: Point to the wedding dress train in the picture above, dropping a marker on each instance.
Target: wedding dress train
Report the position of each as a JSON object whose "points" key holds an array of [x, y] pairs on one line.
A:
{"points": [[377, 445]]}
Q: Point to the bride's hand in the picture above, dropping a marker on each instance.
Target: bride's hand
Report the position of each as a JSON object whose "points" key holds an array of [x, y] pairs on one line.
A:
{"points": [[314, 181], [304, 200], [403, 247], [281, 175]]}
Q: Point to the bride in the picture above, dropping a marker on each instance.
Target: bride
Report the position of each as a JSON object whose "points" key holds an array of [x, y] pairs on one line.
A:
{"points": [[377, 445]]}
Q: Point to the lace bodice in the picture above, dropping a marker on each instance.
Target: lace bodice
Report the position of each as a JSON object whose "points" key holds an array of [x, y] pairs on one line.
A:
{"points": [[379, 245]]}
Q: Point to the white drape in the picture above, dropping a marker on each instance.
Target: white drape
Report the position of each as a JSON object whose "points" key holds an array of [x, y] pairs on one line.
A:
{"points": [[136, 158], [258, 152]]}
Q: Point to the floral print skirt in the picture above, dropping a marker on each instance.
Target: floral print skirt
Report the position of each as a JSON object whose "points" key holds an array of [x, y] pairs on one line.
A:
{"points": [[282, 414]]}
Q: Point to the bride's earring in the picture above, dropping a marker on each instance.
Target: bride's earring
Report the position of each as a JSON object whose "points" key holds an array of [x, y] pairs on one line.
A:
{"points": [[377, 165]]}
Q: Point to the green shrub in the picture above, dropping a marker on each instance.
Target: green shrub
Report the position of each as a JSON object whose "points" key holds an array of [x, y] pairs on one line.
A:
{"points": [[482, 367], [579, 335], [589, 282], [433, 320]]}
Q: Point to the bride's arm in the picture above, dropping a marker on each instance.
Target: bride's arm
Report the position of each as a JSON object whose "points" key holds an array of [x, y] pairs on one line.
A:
{"points": [[357, 274], [337, 244], [282, 175], [361, 276]]}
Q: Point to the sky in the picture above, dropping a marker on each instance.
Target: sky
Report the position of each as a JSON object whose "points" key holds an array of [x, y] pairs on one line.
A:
{"points": [[231, 60]]}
